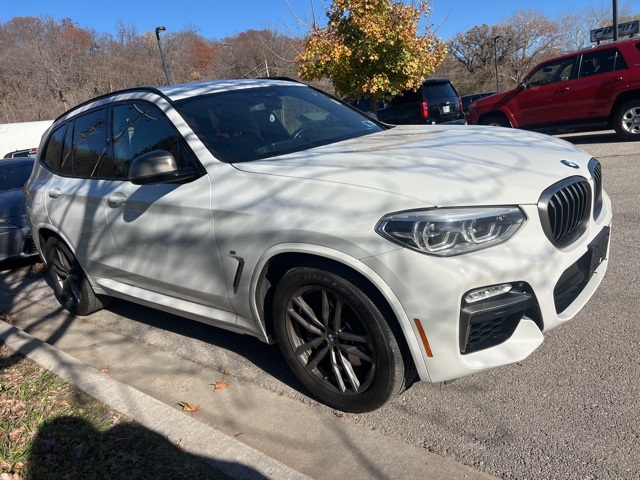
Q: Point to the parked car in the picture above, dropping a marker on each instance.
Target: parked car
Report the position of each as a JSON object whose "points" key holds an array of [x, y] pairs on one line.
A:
{"points": [[436, 101], [25, 153], [369, 252], [363, 104], [15, 236], [593, 89], [467, 100]]}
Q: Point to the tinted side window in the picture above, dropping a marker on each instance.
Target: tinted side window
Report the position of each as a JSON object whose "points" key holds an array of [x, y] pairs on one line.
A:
{"points": [[139, 128], [53, 150], [601, 61], [553, 72], [90, 157]]}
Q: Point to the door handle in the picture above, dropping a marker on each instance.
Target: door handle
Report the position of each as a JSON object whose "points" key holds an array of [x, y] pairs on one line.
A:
{"points": [[614, 80], [562, 90], [54, 192], [117, 199]]}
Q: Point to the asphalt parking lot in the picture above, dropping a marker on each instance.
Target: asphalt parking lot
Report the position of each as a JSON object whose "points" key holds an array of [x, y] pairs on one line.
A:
{"points": [[569, 411]]}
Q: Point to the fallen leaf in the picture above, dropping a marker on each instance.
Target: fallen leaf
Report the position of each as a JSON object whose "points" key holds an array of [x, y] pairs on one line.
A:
{"points": [[105, 370], [188, 408], [219, 385]]}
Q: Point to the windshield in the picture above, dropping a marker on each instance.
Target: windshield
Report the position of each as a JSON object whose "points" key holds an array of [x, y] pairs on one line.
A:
{"points": [[14, 175], [250, 124]]}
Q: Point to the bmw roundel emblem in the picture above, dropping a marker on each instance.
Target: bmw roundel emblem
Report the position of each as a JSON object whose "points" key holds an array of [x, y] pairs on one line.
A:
{"points": [[569, 164]]}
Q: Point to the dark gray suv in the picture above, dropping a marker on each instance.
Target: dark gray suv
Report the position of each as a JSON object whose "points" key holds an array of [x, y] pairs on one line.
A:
{"points": [[436, 101]]}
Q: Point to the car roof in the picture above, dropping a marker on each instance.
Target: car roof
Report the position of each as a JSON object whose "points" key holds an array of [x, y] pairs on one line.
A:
{"points": [[593, 48], [186, 90]]}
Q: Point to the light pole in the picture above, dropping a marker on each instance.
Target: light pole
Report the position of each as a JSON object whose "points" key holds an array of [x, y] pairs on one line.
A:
{"points": [[615, 20], [495, 60], [164, 63]]}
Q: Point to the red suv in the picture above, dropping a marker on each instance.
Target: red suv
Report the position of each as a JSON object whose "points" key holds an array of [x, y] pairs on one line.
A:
{"points": [[593, 89]]}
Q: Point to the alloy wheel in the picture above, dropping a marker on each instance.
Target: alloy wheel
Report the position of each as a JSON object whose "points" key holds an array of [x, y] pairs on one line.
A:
{"points": [[631, 120], [66, 275], [330, 340]]}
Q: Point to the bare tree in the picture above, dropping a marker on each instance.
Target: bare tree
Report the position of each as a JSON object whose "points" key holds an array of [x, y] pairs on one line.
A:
{"points": [[48, 65], [531, 37], [578, 23], [515, 46], [475, 52], [257, 53]]}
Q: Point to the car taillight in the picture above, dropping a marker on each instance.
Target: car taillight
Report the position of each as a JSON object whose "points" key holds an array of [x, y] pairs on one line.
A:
{"points": [[424, 109], [460, 104]]}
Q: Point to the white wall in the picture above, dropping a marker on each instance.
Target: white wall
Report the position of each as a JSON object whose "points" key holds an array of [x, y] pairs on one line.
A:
{"points": [[19, 136]]}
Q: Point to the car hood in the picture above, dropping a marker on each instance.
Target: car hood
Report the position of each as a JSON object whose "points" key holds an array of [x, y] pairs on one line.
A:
{"points": [[496, 100], [438, 165]]}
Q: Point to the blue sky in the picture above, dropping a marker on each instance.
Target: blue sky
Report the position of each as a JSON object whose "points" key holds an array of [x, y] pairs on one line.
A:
{"points": [[217, 19]]}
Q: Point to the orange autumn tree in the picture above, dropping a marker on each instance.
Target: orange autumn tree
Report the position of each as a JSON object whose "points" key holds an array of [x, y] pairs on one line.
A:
{"points": [[371, 48]]}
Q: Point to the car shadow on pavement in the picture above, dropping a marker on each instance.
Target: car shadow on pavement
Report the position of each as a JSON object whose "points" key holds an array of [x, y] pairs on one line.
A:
{"points": [[263, 356], [33, 273], [122, 313], [73, 447]]}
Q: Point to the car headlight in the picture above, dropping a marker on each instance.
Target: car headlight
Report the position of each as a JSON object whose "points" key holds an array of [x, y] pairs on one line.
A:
{"points": [[452, 231]]}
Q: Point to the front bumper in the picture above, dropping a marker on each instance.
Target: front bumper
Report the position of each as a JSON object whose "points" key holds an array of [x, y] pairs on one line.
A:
{"points": [[16, 242], [450, 338]]}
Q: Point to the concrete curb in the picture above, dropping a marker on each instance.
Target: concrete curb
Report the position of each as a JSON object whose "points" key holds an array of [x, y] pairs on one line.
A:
{"points": [[219, 450]]}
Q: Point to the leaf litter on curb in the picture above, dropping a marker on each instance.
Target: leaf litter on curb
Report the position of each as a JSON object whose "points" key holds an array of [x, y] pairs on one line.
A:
{"points": [[188, 408]]}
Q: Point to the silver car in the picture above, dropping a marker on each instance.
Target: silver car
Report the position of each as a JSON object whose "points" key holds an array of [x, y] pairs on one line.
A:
{"points": [[373, 255]]}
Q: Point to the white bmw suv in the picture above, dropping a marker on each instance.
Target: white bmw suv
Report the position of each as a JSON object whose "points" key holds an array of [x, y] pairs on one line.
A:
{"points": [[371, 254]]}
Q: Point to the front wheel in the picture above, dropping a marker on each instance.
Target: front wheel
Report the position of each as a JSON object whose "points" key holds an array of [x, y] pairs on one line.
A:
{"points": [[337, 340], [70, 285], [626, 120], [496, 121]]}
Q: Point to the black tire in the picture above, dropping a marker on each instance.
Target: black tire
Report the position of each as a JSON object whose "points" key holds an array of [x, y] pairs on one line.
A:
{"points": [[70, 285], [496, 121], [337, 340], [626, 120]]}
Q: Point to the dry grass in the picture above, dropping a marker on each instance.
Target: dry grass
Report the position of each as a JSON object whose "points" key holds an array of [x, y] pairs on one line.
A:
{"points": [[51, 430]]}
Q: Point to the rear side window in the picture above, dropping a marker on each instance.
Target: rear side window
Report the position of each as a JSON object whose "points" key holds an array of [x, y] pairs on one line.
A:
{"points": [[602, 61], [90, 156], [53, 152], [79, 148]]}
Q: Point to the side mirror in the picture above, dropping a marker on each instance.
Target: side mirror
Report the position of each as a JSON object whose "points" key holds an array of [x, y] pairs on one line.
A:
{"points": [[157, 166]]}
